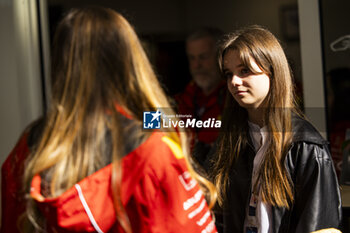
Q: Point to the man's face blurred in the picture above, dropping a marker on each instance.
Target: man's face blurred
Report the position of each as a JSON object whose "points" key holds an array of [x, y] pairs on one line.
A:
{"points": [[202, 61]]}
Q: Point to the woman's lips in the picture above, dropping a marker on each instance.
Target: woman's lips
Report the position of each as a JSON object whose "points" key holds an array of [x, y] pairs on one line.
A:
{"points": [[240, 92]]}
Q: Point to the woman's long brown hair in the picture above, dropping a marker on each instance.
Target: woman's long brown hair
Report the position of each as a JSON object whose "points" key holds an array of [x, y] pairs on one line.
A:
{"points": [[98, 62], [260, 45]]}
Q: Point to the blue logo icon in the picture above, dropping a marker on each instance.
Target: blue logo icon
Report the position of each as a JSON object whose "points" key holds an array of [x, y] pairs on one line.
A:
{"points": [[151, 120]]}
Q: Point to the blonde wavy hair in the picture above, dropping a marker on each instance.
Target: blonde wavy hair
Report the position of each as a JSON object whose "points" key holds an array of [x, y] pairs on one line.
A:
{"points": [[98, 62]]}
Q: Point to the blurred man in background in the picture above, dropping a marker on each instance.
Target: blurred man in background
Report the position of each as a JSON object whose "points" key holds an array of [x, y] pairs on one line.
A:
{"points": [[204, 97]]}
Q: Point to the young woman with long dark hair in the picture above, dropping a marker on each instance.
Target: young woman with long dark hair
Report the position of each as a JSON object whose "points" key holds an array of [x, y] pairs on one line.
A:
{"points": [[273, 170]]}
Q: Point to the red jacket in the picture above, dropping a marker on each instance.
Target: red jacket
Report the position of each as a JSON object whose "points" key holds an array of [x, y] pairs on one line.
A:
{"points": [[157, 192]]}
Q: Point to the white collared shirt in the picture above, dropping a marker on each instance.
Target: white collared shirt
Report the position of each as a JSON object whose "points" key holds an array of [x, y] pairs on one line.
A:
{"points": [[262, 219]]}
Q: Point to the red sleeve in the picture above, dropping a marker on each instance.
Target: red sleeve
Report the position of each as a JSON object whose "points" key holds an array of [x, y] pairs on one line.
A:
{"points": [[167, 199], [13, 203]]}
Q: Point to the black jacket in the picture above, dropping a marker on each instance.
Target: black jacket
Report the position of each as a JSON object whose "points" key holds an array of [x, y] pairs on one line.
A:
{"points": [[317, 202]]}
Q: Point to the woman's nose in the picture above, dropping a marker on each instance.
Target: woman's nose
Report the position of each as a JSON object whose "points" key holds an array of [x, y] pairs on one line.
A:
{"points": [[236, 81]]}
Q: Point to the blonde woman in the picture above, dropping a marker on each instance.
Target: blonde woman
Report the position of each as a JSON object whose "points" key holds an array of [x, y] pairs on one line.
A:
{"points": [[87, 165], [273, 170]]}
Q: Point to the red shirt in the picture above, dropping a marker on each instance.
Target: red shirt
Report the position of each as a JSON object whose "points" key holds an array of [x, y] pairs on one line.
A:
{"points": [[203, 107]]}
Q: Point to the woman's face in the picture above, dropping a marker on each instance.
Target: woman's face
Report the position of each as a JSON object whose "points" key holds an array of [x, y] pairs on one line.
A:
{"points": [[248, 89]]}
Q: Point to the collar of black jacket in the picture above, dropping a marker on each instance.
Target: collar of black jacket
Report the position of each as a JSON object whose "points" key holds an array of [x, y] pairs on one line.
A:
{"points": [[304, 131]]}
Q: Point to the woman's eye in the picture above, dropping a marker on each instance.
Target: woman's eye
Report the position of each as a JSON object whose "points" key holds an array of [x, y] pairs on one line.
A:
{"points": [[245, 71]]}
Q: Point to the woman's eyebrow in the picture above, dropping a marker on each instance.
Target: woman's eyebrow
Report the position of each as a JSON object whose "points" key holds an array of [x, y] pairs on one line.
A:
{"points": [[240, 65]]}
